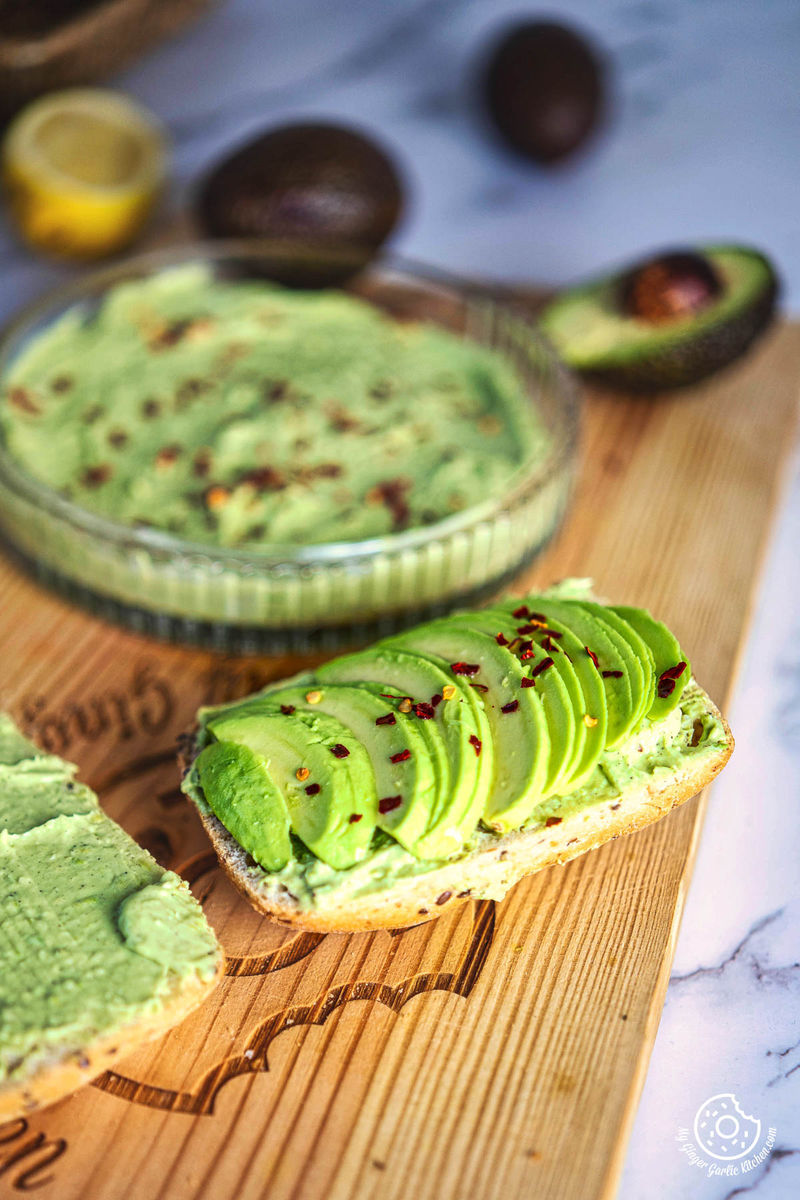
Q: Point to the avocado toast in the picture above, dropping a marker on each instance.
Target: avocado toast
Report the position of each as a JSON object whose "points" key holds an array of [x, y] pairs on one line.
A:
{"points": [[100, 948], [447, 762]]}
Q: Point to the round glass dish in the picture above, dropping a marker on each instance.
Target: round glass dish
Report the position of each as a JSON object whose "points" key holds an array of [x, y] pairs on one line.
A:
{"points": [[292, 596]]}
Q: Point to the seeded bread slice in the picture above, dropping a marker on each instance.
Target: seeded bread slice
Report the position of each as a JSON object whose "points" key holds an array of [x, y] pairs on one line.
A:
{"points": [[496, 862]]}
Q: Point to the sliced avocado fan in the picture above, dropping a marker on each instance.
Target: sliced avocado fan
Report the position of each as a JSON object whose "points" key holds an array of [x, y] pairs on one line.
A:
{"points": [[593, 334], [472, 719]]}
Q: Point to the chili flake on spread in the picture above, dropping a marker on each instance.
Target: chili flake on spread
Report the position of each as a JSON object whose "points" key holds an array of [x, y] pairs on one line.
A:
{"points": [[310, 417]]}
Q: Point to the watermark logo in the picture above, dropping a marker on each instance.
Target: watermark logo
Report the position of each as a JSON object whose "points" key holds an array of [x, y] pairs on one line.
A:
{"points": [[727, 1140], [723, 1130]]}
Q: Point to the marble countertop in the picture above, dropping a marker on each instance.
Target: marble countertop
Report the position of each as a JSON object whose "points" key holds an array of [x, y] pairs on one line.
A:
{"points": [[702, 144]]}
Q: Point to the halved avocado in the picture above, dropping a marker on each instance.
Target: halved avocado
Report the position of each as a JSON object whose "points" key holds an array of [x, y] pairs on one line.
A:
{"points": [[404, 767], [332, 809], [521, 746], [421, 679], [240, 792], [590, 329], [668, 658]]}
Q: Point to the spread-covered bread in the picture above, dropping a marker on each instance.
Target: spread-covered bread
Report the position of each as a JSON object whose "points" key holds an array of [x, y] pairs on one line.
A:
{"points": [[100, 948], [448, 761]]}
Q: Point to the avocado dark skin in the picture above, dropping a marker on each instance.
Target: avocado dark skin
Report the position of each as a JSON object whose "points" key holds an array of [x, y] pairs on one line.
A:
{"points": [[324, 196], [545, 89]]}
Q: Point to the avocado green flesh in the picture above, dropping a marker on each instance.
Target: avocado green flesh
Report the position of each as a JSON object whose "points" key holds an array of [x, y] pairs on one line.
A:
{"points": [[520, 763], [303, 406], [667, 748], [585, 686], [598, 639], [414, 779], [320, 819], [240, 792], [666, 655], [421, 678], [593, 335], [637, 654], [94, 935]]}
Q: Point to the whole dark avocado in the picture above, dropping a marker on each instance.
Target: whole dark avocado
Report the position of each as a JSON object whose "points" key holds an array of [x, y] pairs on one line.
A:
{"points": [[323, 196], [667, 322], [545, 89]]}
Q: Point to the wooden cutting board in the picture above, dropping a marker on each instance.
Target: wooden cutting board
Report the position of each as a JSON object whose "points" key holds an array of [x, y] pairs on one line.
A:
{"points": [[497, 1052]]}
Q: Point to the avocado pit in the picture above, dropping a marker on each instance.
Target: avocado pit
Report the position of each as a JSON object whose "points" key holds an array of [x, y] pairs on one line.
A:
{"points": [[670, 287]]}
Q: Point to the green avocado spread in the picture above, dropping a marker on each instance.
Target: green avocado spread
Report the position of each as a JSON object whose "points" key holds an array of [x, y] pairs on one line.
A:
{"points": [[94, 935], [384, 764], [240, 413]]}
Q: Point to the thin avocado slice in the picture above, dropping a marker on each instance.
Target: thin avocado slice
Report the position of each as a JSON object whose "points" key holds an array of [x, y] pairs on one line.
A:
{"points": [[591, 710], [422, 679], [550, 689], [402, 762], [643, 664], [511, 627], [596, 640], [668, 658], [521, 738], [593, 334], [333, 809], [240, 792]]}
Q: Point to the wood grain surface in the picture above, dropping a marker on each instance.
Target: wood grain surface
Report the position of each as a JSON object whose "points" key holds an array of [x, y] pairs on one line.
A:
{"points": [[497, 1052]]}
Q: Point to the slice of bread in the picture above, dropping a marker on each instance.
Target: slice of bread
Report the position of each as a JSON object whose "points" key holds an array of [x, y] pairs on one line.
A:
{"points": [[494, 863], [101, 949]]}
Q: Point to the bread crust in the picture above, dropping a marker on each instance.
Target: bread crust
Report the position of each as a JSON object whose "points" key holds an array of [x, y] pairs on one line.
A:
{"points": [[486, 872], [65, 1072]]}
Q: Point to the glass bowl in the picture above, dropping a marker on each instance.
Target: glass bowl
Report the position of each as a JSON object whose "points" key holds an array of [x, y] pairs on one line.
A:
{"points": [[299, 597]]}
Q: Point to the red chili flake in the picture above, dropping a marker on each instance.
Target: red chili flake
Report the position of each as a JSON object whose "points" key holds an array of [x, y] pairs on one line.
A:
{"points": [[553, 821], [20, 398], [265, 479], [389, 803], [393, 696], [479, 687], [171, 334], [522, 611], [340, 751], [476, 744], [512, 706], [389, 719], [436, 700], [401, 756], [501, 639], [117, 438], [525, 682], [463, 668], [167, 455], [424, 711], [611, 674], [537, 616], [391, 493], [202, 463], [445, 896], [549, 645], [553, 633], [151, 408], [526, 651], [592, 656], [532, 627], [288, 709], [354, 818], [544, 665], [674, 672], [277, 390], [94, 476], [313, 789], [61, 384]]}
